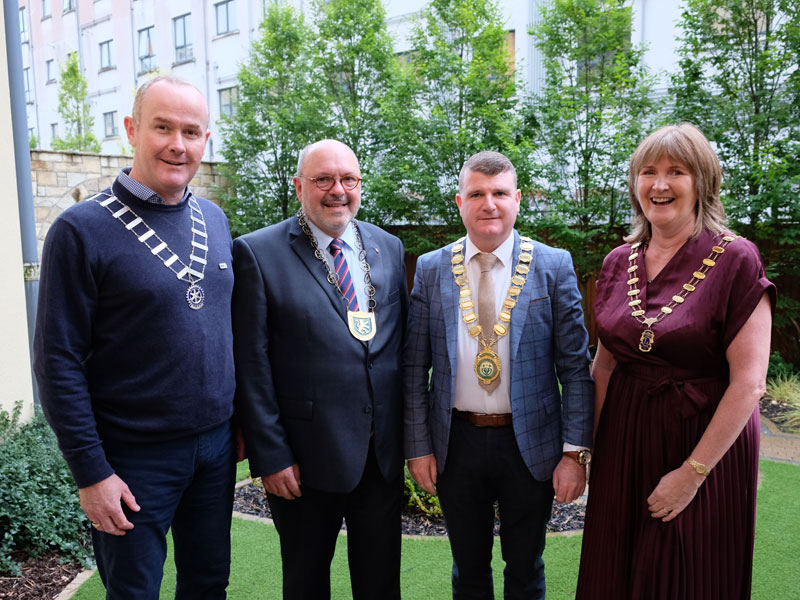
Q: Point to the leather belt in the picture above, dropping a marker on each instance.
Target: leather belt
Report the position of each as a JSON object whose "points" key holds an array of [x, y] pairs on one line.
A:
{"points": [[483, 419]]}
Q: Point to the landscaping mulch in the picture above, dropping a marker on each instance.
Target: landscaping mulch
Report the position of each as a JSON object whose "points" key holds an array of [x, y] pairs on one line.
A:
{"points": [[42, 578], [775, 412], [249, 499]]}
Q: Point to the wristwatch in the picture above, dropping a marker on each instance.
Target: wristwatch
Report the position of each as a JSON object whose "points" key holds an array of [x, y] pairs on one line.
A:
{"points": [[582, 457]]}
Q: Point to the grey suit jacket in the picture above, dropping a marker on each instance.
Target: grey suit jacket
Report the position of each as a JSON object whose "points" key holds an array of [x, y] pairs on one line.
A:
{"points": [[308, 392], [548, 346]]}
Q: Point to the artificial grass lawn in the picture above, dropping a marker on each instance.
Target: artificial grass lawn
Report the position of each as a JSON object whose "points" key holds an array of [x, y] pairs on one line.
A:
{"points": [[425, 570]]}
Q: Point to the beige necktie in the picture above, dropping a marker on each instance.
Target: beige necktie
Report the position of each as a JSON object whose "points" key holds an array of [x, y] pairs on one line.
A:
{"points": [[486, 306]]}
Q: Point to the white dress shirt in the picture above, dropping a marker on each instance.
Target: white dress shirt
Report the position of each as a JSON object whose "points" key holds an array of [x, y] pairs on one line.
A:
{"points": [[351, 256], [470, 395]]}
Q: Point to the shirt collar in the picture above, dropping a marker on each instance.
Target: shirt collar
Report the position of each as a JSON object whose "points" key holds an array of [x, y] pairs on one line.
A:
{"points": [[141, 191], [324, 240], [504, 252]]}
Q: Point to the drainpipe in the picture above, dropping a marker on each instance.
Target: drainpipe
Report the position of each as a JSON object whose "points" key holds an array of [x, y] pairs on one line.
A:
{"points": [[22, 153]]}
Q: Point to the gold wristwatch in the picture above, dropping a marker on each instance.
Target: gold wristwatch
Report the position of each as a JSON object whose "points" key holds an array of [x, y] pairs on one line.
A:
{"points": [[582, 457]]}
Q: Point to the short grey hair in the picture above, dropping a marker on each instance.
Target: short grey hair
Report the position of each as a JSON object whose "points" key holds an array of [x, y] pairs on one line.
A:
{"points": [[486, 162]]}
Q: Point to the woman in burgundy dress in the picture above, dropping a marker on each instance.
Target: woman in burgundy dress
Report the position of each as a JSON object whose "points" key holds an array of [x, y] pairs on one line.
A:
{"points": [[684, 312]]}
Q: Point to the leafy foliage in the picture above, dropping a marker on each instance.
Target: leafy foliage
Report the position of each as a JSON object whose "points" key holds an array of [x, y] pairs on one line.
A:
{"points": [[277, 114], [739, 82], [418, 499], [778, 367], [591, 113], [39, 505], [456, 97], [74, 109]]}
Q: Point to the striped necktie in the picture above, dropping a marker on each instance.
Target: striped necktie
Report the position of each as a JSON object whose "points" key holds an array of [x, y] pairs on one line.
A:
{"points": [[345, 281]]}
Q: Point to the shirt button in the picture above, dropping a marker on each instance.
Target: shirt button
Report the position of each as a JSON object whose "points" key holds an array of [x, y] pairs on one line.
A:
{"points": [[367, 409]]}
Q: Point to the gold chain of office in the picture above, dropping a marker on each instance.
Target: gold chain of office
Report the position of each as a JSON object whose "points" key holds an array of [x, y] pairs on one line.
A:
{"points": [[487, 362], [648, 338]]}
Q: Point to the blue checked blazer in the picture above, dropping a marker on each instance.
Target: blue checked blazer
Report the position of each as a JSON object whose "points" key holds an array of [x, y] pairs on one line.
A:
{"points": [[548, 345]]}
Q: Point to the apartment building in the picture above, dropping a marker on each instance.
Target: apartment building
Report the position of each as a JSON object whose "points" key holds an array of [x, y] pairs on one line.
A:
{"points": [[120, 43]]}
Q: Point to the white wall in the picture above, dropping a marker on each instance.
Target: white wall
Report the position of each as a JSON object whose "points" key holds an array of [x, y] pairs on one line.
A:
{"points": [[15, 367]]}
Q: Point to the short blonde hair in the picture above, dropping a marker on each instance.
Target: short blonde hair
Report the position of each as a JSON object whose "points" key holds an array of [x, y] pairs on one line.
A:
{"points": [[686, 144]]}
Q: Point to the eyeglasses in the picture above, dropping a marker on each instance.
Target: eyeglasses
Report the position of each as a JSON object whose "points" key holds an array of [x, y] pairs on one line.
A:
{"points": [[326, 182]]}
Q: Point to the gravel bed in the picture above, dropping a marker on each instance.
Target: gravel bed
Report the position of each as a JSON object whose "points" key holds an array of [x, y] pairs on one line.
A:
{"points": [[249, 499]]}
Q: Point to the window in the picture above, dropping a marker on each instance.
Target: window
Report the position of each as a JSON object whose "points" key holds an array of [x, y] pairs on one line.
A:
{"points": [[23, 26], [226, 17], [26, 74], [227, 101], [68, 5], [183, 37], [147, 58], [53, 131], [51, 71], [105, 55], [45, 9], [110, 124]]}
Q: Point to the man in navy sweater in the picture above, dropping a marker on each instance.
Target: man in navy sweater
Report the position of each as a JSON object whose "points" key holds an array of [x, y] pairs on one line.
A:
{"points": [[134, 356]]}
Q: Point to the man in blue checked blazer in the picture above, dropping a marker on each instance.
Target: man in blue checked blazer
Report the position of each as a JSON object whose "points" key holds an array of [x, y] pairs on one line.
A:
{"points": [[495, 324]]}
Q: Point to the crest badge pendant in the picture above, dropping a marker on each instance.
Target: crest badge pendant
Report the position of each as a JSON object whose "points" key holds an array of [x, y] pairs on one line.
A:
{"points": [[361, 324]]}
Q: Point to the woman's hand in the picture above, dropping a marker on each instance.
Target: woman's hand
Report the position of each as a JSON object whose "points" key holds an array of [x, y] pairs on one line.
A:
{"points": [[674, 492]]}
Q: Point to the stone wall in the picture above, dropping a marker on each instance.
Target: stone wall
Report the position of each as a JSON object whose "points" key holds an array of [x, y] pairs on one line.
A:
{"points": [[60, 179]]}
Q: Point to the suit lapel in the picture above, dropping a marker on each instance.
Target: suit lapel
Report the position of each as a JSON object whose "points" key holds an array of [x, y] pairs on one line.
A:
{"points": [[379, 272], [520, 312], [301, 246], [448, 291]]}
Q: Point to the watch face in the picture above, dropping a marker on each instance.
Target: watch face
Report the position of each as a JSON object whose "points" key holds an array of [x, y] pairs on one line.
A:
{"points": [[584, 457]]}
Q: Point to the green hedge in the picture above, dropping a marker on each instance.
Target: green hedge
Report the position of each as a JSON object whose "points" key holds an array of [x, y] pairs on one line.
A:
{"points": [[39, 505]]}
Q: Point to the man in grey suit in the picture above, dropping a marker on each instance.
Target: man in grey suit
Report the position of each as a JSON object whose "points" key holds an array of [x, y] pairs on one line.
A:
{"points": [[319, 307], [498, 318]]}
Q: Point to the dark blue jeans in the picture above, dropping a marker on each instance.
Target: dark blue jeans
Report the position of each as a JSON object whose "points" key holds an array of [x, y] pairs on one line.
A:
{"points": [[484, 465], [186, 484]]}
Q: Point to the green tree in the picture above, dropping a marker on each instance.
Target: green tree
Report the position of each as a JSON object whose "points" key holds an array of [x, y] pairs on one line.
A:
{"points": [[277, 114], [74, 109], [591, 113], [355, 67], [457, 97], [736, 78], [738, 81]]}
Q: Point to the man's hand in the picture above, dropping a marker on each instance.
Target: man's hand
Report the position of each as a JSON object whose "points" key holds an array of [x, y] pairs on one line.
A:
{"points": [[569, 480], [285, 484], [102, 503], [423, 470]]}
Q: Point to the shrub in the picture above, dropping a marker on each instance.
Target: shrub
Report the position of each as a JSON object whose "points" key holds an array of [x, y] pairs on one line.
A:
{"points": [[779, 367], [39, 505], [417, 498], [785, 390]]}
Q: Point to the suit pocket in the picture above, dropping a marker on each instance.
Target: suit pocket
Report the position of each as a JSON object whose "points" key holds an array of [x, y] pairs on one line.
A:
{"points": [[539, 299], [297, 409]]}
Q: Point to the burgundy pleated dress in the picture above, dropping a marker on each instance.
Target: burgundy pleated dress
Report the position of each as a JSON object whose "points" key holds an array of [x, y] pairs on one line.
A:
{"points": [[657, 407]]}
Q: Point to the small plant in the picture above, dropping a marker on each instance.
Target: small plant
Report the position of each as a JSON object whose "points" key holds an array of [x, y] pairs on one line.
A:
{"points": [[779, 367], [39, 505], [785, 390], [419, 499]]}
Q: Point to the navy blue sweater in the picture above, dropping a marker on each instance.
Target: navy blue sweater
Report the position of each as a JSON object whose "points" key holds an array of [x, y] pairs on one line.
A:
{"points": [[118, 353]]}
